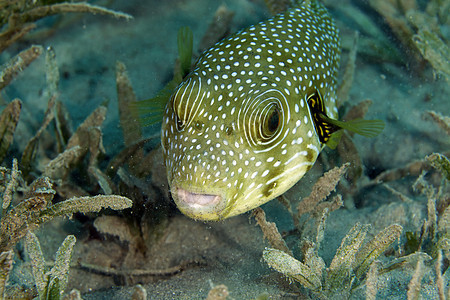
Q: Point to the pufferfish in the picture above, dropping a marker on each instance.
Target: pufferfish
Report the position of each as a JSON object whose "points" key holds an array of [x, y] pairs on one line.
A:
{"points": [[252, 116]]}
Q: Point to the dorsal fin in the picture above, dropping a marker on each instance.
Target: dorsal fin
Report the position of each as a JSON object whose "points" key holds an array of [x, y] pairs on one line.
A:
{"points": [[151, 111]]}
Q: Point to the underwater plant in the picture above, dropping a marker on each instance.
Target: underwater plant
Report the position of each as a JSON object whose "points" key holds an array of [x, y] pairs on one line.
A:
{"points": [[352, 260], [355, 263], [347, 270], [24, 207], [50, 284], [18, 18], [8, 122], [32, 211], [421, 32], [434, 235]]}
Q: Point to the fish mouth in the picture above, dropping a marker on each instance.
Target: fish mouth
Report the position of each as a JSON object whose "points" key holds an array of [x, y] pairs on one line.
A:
{"points": [[199, 206], [195, 199]]}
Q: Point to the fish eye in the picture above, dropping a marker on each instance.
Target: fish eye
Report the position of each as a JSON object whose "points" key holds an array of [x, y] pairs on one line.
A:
{"points": [[263, 118]]}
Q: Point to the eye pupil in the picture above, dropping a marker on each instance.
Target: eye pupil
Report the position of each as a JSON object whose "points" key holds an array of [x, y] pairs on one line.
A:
{"points": [[272, 122], [180, 125]]}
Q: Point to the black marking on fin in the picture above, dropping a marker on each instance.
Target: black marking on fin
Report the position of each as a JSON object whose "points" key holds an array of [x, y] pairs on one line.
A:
{"points": [[317, 108]]}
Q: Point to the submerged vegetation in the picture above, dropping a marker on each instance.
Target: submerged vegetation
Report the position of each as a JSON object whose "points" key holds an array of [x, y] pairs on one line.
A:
{"points": [[25, 206], [355, 262], [51, 284]]}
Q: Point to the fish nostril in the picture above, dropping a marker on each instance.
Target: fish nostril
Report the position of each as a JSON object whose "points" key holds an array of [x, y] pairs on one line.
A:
{"points": [[198, 125], [229, 130]]}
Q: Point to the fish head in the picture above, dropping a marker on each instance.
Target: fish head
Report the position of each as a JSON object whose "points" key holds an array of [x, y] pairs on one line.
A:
{"points": [[228, 151]]}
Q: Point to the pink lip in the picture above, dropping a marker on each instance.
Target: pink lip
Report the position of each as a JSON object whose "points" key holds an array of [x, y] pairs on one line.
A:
{"points": [[199, 200]]}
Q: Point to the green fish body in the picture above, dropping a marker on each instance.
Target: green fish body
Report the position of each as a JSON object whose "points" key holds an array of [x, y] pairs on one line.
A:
{"points": [[240, 130]]}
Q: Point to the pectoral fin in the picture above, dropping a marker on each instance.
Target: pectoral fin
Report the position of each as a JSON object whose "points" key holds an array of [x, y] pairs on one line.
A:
{"points": [[330, 130], [367, 128]]}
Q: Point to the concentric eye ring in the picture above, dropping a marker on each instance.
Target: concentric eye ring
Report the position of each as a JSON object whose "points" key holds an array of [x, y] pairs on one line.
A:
{"points": [[186, 102], [263, 119]]}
